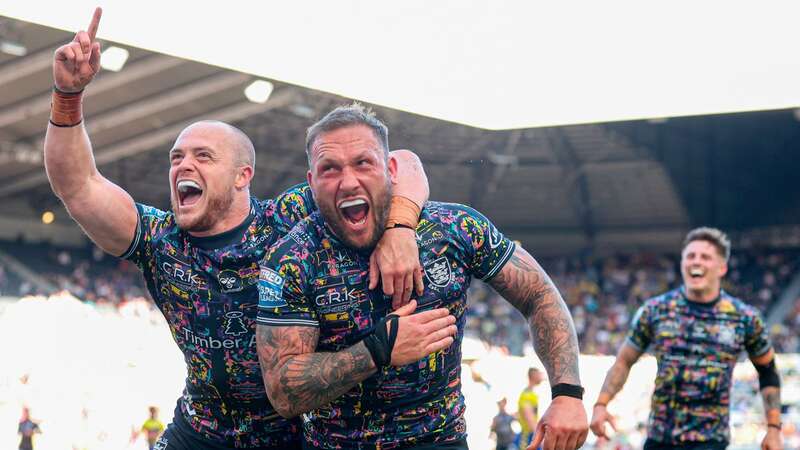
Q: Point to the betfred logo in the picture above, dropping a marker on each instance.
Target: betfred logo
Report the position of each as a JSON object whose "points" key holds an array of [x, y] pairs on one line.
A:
{"points": [[270, 276], [270, 289]]}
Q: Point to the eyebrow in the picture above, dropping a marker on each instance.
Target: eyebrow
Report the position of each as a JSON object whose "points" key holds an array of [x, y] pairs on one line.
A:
{"points": [[193, 149]]}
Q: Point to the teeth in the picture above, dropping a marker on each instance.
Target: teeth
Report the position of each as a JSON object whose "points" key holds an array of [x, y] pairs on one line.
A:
{"points": [[696, 272], [184, 185], [349, 203]]}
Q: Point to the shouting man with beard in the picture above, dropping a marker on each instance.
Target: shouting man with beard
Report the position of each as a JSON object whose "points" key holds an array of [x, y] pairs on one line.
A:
{"points": [[366, 378], [200, 260]]}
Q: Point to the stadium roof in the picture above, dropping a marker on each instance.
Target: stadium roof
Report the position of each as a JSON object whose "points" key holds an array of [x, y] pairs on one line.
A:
{"points": [[639, 183], [480, 63]]}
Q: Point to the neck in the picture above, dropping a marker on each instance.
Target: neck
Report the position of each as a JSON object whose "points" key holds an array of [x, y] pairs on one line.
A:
{"points": [[702, 296], [237, 212]]}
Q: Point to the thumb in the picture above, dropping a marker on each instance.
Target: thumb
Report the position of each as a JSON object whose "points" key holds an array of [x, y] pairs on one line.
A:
{"points": [[406, 309], [538, 436], [613, 422], [374, 271]]}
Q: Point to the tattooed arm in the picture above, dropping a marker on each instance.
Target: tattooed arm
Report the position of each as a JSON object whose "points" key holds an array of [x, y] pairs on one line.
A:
{"points": [[615, 379], [771, 396], [298, 379], [525, 285]]}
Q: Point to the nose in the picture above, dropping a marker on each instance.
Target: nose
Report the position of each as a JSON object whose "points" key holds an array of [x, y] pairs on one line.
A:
{"points": [[349, 180], [186, 164]]}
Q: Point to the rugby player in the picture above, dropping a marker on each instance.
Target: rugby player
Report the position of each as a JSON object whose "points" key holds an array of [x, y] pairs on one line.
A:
{"points": [[696, 333], [367, 379], [200, 260]]}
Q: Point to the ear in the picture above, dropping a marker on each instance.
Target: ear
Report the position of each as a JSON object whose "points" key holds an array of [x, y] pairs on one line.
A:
{"points": [[243, 177], [724, 269], [392, 167]]}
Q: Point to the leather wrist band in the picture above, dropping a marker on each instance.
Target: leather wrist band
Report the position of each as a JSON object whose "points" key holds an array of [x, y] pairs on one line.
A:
{"points": [[403, 211], [600, 404], [568, 390], [777, 426], [66, 108]]}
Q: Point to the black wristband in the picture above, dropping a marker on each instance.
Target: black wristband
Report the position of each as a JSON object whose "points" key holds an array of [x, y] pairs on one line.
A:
{"points": [[777, 426], [569, 390], [401, 225], [66, 126], [56, 89], [381, 343]]}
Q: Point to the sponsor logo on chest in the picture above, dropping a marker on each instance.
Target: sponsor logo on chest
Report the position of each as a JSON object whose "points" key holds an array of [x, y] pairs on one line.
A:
{"points": [[180, 273]]}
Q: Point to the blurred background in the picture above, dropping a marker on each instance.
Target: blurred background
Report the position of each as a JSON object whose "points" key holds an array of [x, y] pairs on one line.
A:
{"points": [[603, 204]]}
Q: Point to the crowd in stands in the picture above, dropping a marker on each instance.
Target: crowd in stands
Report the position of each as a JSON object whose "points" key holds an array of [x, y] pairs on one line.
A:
{"points": [[87, 273], [602, 292]]}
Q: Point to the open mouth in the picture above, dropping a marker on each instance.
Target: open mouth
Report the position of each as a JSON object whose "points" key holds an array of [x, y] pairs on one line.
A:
{"points": [[696, 273], [189, 192], [354, 211]]}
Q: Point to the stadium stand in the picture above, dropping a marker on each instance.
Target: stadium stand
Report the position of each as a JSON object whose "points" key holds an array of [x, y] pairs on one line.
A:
{"points": [[603, 293]]}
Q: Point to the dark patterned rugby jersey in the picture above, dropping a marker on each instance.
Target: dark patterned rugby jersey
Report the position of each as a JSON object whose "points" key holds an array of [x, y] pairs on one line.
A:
{"points": [[208, 294], [310, 278], [696, 346]]}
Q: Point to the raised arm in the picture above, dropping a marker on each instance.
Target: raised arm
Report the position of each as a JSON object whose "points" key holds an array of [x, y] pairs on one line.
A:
{"points": [[770, 385], [104, 210], [395, 260], [299, 379], [525, 285], [615, 379]]}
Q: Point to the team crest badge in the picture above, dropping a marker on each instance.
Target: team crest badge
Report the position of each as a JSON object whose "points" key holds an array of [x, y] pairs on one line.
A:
{"points": [[438, 272]]}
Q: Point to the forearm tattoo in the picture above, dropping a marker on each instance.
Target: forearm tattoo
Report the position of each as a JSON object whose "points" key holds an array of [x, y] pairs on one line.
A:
{"points": [[615, 379], [526, 286], [305, 379], [772, 398]]}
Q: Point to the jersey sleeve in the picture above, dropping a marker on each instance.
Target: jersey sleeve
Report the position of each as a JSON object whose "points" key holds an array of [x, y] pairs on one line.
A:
{"points": [[641, 332], [150, 222], [487, 248], [282, 285], [756, 339], [291, 206]]}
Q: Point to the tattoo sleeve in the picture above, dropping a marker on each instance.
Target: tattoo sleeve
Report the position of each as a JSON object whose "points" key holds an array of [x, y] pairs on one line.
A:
{"points": [[526, 286], [297, 378]]}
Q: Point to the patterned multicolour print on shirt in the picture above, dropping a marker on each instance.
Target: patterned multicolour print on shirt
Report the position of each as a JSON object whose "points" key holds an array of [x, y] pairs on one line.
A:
{"points": [[696, 346], [209, 297], [311, 279]]}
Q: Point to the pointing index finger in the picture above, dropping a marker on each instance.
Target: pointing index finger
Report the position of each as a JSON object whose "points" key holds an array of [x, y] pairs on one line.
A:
{"points": [[92, 31]]}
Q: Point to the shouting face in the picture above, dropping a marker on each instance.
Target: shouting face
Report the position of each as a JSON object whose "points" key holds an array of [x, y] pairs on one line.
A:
{"points": [[204, 177], [351, 180]]}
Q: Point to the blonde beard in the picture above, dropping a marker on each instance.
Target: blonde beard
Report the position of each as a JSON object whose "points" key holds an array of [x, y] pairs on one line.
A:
{"points": [[216, 210]]}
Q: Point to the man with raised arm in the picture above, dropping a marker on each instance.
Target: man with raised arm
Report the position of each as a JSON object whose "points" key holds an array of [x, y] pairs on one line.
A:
{"points": [[696, 333], [329, 346], [200, 260]]}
